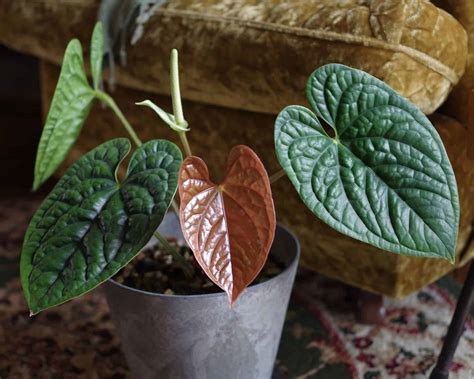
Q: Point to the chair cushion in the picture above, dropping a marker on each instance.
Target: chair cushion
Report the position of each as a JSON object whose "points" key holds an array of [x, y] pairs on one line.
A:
{"points": [[257, 54], [460, 104]]}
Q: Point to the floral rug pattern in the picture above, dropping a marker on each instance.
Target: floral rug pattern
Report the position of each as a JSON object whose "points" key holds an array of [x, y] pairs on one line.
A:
{"points": [[321, 339], [405, 346]]}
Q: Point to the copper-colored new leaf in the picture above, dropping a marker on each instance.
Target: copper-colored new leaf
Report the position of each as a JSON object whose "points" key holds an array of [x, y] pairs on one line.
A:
{"points": [[230, 227]]}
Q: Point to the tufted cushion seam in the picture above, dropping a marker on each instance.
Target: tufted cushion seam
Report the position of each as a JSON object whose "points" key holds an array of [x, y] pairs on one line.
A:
{"points": [[325, 35]]}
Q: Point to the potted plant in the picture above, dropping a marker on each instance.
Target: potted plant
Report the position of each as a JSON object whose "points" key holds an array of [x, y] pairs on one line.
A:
{"points": [[93, 224], [378, 173]]}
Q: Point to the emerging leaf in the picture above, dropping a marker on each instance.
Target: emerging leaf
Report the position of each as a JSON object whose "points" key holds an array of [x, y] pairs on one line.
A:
{"points": [[168, 118], [97, 54], [90, 226], [384, 179], [230, 227], [68, 112]]}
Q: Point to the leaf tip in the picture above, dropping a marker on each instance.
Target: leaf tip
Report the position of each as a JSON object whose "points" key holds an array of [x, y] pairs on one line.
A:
{"points": [[174, 53], [144, 102], [74, 44], [98, 26], [33, 308], [233, 295], [452, 259], [36, 184]]}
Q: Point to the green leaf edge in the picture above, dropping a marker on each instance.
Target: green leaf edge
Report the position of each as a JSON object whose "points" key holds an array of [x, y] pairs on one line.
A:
{"points": [[418, 115], [41, 175], [24, 266], [97, 54]]}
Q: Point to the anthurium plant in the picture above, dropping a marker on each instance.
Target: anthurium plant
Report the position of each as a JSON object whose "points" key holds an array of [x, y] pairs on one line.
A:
{"points": [[364, 160]]}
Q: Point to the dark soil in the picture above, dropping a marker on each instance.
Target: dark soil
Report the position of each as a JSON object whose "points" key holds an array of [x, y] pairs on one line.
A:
{"points": [[154, 270]]}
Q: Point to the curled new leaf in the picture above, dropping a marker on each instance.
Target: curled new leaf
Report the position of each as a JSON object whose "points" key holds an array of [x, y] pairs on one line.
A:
{"points": [[230, 227], [90, 226], [69, 109], [385, 177], [168, 118]]}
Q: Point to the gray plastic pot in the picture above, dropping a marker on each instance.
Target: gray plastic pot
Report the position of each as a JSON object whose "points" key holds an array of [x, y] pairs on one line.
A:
{"points": [[200, 336]]}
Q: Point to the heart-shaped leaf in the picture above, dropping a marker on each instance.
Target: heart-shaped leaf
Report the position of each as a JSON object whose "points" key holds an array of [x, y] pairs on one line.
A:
{"points": [[230, 227], [384, 178], [90, 226], [97, 54], [69, 109]]}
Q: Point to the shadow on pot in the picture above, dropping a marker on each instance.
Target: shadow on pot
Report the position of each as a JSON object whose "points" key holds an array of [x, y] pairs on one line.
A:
{"points": [[200, 336]]}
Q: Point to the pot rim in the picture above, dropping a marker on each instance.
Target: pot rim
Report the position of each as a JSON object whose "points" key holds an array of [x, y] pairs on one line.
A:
{"points": [[252, 287]]}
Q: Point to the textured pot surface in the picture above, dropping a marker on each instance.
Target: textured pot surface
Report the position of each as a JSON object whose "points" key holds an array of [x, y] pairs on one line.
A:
{"points": [[200, 336]]}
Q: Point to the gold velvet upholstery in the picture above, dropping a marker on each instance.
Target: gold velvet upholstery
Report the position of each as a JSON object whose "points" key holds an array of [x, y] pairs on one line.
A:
{"points": [[257, 54], [461, 104], [242, 61]]}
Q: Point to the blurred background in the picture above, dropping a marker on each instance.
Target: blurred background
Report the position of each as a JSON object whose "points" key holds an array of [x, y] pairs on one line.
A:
{"points": [[21, 119]]}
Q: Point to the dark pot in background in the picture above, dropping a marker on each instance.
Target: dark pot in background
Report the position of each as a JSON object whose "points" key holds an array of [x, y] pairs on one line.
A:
{"points": [[199, 336]]}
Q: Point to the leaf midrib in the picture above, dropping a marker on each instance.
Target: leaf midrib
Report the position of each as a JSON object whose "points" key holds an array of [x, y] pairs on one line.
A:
{"points": [[42, 240], [91, 223], [398, 196], [318, 134], [360, 114]]}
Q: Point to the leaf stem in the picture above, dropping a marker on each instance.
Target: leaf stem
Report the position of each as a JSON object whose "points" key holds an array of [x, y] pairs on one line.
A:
{"points": [[176, 100], [185, 143], [277, 175], [111, 103], [175, 90], [175, 206], [187, 268]]}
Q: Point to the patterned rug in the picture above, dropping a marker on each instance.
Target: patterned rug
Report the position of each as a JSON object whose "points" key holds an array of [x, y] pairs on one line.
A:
{"points": [[321, 338]]}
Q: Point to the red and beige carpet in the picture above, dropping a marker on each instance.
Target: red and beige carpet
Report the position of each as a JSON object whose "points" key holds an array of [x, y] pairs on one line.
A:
{"points": [[321, 339]]}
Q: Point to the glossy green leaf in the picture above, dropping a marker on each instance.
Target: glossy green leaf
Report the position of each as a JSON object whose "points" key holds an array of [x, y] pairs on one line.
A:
{"points": [[90, 226], [97, 54], [384, 178], [69, 109]]}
